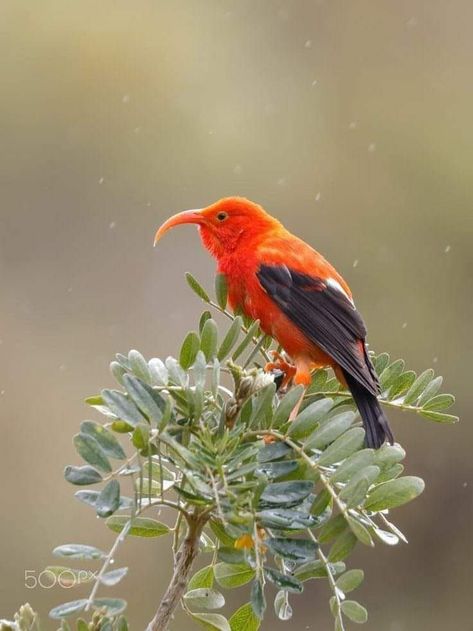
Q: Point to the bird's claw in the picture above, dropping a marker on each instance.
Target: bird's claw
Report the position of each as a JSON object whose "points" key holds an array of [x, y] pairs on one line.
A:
{"points": [[281, 365]]}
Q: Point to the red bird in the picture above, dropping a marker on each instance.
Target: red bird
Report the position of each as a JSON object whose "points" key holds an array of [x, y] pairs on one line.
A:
{"points": [[298, 297]]}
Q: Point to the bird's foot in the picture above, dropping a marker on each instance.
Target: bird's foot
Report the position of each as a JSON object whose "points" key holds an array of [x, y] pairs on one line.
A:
{"points": [[280, 364]]}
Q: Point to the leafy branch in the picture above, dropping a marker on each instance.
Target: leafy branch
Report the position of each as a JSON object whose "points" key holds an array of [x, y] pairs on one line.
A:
{"points": [[275, 503]]}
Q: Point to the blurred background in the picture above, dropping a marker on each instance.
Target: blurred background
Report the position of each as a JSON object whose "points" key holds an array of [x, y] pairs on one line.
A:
{"points": [[350, 121]]}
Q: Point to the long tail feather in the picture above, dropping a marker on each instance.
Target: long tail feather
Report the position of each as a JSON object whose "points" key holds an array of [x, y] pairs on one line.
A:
{"points": [[374, 419]]}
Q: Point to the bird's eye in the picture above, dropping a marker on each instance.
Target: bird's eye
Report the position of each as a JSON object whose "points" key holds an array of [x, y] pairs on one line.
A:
{"points": [[222, 216]]}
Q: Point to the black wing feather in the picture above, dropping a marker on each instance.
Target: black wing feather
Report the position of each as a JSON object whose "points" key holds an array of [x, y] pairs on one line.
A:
{"points": [[325, 315]]}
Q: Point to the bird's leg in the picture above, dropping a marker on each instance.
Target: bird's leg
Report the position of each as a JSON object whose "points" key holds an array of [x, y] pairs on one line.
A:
{"points": [[302, 377]]}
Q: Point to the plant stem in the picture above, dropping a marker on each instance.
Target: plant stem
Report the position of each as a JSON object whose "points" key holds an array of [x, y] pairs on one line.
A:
{"points": [[185, 557]]}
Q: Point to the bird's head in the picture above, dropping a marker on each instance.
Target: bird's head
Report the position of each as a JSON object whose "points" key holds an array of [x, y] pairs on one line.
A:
{"points": [[225, 224]]}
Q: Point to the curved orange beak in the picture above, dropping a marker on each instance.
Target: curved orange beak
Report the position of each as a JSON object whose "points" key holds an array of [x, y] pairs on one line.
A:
{"points": [[188, 216]]}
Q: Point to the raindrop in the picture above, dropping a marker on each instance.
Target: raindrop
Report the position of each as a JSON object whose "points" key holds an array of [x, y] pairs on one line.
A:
{"points": [[237, 169], [211, 132], [404, 325], [435, 360], [137, 130], [355, 263], [2, 392], [69, 290], [282, 181], [112, 561], [112, 225], [126, 98], [372, 147], [314, 82], [353, 125], [101, 180], [411, 22], [308, 44], [447, 249], [465, 484], [62, 367], [317, 197]]}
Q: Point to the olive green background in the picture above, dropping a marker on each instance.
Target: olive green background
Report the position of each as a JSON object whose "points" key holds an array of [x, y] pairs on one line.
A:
{"points": [[349, 120]]}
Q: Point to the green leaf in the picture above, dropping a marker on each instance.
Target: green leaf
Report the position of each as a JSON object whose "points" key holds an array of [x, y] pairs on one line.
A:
{"points": [[333, 528], [78, 551], [286, 493], [360, 532], [343, 447], [122, 407], [221, 290], [402, 384], [113, 606], [107, 441], [122, 624], [394, 493], [418, 387], [317, 569], [91, 452], [262, 411], [439, 402], [189, 349], [258, 601], [283, 581], [244, 619], [330, 430], [282, 607], [67, 609], [202, 578], [390, 472], [285, 519], [117, 371], [109, 499], [297, 550], [273, 451], [350, 580], [252, 332], [150, 403], [114, 576], [230, 338], [140, 526], [381, 362], [139, 366], [307, 420], [352, 464], [342, 546], [230, 554], [389, 454], [439, 417], [273, 470], [430, 391], [233, 575], [356, 489], [82, 475], [286, 405], [197, 287], [159, 372], [221, 534], [391, 374], [212, 621], [81, 625], [205, 598], [356, 612], [208, 339]]}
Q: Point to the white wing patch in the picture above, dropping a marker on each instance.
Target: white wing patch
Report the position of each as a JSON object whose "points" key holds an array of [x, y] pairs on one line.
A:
{"points": [[334, 284]]}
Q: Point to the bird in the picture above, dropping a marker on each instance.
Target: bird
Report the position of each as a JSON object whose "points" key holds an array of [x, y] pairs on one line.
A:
{"points": [[298, 297]]}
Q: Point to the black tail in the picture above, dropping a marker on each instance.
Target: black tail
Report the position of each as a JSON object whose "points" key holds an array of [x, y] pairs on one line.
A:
{"points": [[374, 419]]}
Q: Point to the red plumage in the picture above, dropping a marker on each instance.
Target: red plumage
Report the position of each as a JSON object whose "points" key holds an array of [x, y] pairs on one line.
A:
{"points": [[298, 296]]}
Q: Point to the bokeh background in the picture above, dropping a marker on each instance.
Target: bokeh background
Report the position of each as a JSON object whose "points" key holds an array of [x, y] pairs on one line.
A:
{"points": [[350, 121]]}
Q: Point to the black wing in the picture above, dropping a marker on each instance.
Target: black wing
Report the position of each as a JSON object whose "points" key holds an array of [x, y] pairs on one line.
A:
{"points": [[326, 316]]}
